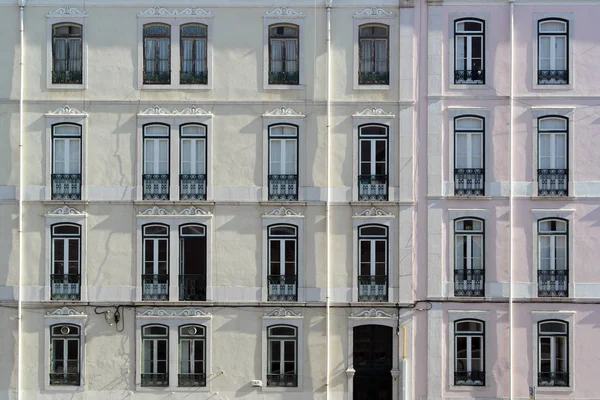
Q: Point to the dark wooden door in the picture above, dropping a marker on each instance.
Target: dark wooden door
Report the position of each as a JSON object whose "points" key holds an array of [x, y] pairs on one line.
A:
{"points": [[373, 362]]}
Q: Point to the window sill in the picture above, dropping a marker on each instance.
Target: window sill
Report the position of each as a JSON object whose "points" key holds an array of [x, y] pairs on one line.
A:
{"points": [[284, 87], [73, 202], [66, 86], [65, 388], [158, 389], [281, 389], [466, 388], [175, 202], [470, 86], [553, 389], [552, 198], [557, 86], [371, 87], [453, 197]]}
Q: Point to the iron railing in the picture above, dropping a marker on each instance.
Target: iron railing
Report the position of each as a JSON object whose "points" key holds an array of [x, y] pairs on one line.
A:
{"points": [[157, 78], [553, 379], [469, 181], [469, 282], [289, 380], [284, 78], [193, 78], [155, 379], [469, 378], [192, 187], [553, 182], [155, 287], [283, 187], [66, 186], [192, 287], [553, 77], [65, 286], [156, 186], [372, 288], [191, 380], [372, 187], [469, 77], [373, 78], [553, 283], [283, 287], [67, 77], [64, 379]]}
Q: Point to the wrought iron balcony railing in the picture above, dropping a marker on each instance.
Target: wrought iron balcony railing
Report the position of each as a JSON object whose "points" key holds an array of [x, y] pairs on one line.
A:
{"points": [[283, 287], [65, 286], [66, 186], [157, 78], [65, 379], [469, 77], [284, 78], [155, 287], [372, 288], [553, 182], [192, 187], [469, 181], [283, 187], [155, 379], [67, 77], [193, 78], [192, 287], [469, 282], [469, 378], [191, 380], [553, 77], [156, 186], [373, 78], [372, 187], [553, 379], [553, 283], [289, 380]]}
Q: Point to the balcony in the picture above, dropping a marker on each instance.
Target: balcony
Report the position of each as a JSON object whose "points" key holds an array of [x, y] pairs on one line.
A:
{"points": [[372, 288], [156, 186], [67, 77], [65, 379], [469, 282], [469, 181], [155, 287], [65, 287], [553, 379], [192, 187], [191, 380], [553, 182], [469, 77], [282, 288], [157, 78], [282, 380], [372, 187], [283, 187], [373, 78], [191, 78], [150, 380], [469, 378], [66, 186], [192, 287], [284, 78], [553, 77], [553, 283]]}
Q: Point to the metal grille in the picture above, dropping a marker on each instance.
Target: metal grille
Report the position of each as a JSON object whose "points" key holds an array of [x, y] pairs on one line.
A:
{"points": [[553, 182], [192, 187], [553, 283], [469, 378], [289, 380], [156, 186], [155, 287], [468, 181], [372, 288], [283, 187], [553, 77], [282, 287], [192, 287], [469, 282], [372, 187], [66, 186], [155, 379], [191, 380], [472, 77], [65, 286], [553, 379], [63, 379]]}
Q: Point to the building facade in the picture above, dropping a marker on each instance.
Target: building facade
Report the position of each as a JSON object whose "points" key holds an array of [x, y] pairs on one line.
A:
{"points": [[299, 199]]}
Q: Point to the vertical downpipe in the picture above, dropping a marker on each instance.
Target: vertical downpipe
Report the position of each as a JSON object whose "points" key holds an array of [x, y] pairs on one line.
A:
{"points": [[328, 200], [511, 199]]}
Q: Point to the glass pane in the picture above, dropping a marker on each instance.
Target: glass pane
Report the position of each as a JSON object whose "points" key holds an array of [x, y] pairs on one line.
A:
{"points": [[276, 167], [469, 124], [557, 124], [282, 230], [193, 130], [553, 327], [553, 26], [372, 231], [469, 326], [282, 331]]}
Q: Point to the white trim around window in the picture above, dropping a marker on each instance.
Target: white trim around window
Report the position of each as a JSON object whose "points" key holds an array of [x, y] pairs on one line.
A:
{"points": [[567, 16], [487, 64]]}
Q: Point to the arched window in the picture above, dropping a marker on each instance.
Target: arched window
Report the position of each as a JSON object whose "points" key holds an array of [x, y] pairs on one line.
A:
{"points": [[192, 262], [373, 147], [553, 172], [157, 54], [156, 180], [553, 271], [282, 356], [283, 162], [373, 263], [192, 174], [553, 353], [553, 52], [469, 172], [155, 355], [284, 66], [469, 351], [192, 356], [469, 257], [155, 275], [66, 162], [469, 42], [373, 50], [194, 68], [67, 57], [283, 263], [65, 357], [66, 262]]}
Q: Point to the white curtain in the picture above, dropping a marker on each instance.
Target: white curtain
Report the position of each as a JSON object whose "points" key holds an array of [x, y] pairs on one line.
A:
{"points": [[366, 51], [276, 55], [291, 57], [74, 156], [461, 52], [290, 157], [75, 55], [461, 151], [476, 156], [545, 57], [381, 57], [201, 55], [59, 156], [150, 56], [60, 55], [163, 64], [187, 56], [276, 167]]}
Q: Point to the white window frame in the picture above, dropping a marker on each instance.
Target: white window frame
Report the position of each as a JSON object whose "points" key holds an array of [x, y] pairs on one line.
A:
{"points": [[282, 16], [175, 18], [488, 65], [64, 316], [570, 18], [67, 15], [173, 319]]}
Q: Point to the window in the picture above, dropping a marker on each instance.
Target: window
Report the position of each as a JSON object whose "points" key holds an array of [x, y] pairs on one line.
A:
{"points": [[67, 52], [194, 69], [155, 355], [553, 358], [283, 162], [469, 39], [155, 275], [157, 54], [65, 355], [553, 50], [469, 173], [553, 173], [192, 176], [373, 43], [282, 348], [284, 67], [373, 163], [66, 162], [192, 360], [553, 256], [373, 263], [469, 276], [192, 259], [66, 262], [283, 263], [469, 353], [155, 177]]}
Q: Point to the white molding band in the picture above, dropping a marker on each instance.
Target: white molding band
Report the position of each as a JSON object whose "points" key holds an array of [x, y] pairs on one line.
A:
{"points": [[67, 11], [284, 12], [190, 12], [283, 111], [282, 313], [163, 112], [282, 212], [65, 311], [373, 112], [373, 213], [374, 12], [372, 313], [164, 313], [187, 212], [66, 111], [65, 211]]}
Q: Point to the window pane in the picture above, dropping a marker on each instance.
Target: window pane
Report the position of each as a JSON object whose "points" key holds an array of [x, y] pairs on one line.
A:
{"points": [[553, 26], [282, 231]]}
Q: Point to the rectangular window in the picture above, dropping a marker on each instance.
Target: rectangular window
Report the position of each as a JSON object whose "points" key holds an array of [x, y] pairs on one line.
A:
{"points": [[373, 49], [553, 49], [66, 262], [192, 175], [194, 69], [373, 163], [64, 355], [373, 256], [155, 277], [469, 49], [192, 356], [282, 356], [283, 162], [553, 258], [67, 54], [156, 180], [553, 172], [468, 352], [469, 173], [157, 54], [468, 258], [284, 66], [66, 164], [155, 355], [192, 258], [283, 259], [553, 368]]}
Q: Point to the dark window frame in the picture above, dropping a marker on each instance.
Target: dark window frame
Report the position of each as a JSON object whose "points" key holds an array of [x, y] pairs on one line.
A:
{"points": [[554, 174], [282, 279], [66, 178], [192, 379], [155, 379], [565, 374], [284, 77], [158, 77], [374, 178], [65, 278], [197, 178], [560, 74], [283, 178], [65, 378], [67, 77], [469, 174], [195, 77], [468, 377], [199, 282], [553, 276], [372, 280], [282, 380], [474, 292], [373, 78], [156, 277], [167, 176], [461, 77]]}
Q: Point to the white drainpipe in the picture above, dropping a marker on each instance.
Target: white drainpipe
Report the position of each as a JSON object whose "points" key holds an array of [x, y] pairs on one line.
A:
{"points": [[328, 4], [511, 199]]}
